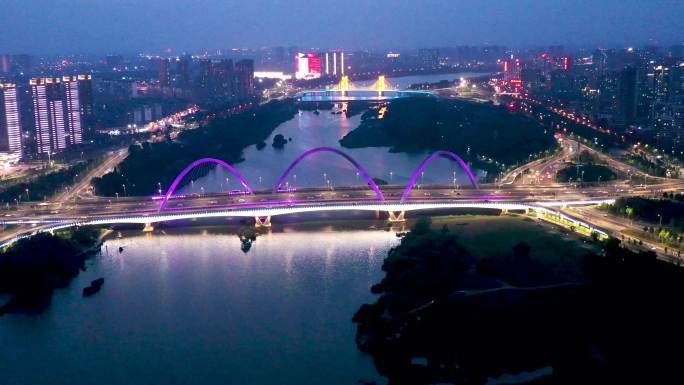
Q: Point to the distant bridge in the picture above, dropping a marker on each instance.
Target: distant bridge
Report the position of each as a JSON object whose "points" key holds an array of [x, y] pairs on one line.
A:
{"points": [[346, 91]]}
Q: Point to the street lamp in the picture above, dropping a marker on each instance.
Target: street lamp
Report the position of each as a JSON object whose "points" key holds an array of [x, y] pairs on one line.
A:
{"points": [[124, 187], [27, 195]]}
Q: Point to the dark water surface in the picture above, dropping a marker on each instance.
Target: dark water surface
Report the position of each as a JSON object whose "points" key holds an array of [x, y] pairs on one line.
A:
{"points": [[193, 308]]}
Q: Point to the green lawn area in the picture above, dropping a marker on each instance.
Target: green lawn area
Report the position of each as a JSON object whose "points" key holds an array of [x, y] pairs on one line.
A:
{"points": [[590, 172], [494, 236]]}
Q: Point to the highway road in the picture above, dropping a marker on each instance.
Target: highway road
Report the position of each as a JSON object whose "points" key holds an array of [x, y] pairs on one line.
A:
{"points": [[625, 229], [102, 206], [111, 161]]}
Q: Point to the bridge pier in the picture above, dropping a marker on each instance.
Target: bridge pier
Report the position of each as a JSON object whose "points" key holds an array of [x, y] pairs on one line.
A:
{"points": [[265, 222], [504, 212], [148, 228], [396, 218]]}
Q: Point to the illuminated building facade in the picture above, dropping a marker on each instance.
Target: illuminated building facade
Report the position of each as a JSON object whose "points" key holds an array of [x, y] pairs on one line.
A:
{"points": [[244, 78], [164, 72], [10, 125], [333, 63], [307, 65], [57, 111]]}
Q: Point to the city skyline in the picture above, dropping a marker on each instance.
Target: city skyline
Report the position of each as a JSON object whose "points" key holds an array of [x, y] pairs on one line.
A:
{"points": [[124, 27], [360, 192]]}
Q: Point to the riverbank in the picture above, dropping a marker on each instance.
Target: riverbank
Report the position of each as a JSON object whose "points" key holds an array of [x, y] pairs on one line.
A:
{"points": [[445, 315], [32, 268], [489, 136], [223, 139]]}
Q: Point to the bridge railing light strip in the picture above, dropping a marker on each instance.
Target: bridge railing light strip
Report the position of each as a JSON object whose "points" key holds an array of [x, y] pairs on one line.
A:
{"points": [[293, 208]]}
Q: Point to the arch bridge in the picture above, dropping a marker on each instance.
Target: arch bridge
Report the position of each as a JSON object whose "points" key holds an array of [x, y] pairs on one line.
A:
{"points": [[263, 214], [361, 170], [263, 211]]}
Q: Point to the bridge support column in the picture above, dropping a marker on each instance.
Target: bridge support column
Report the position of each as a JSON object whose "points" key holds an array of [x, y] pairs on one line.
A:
{"points": [[265, 222], [396, 218], [148, 228], [504, 211]]}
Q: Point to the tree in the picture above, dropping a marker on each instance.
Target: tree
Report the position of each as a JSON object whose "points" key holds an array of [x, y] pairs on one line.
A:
{"points": [[521, 250], [630, 212], [279, 141]]}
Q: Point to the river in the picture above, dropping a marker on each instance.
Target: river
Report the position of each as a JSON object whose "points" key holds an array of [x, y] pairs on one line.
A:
{"points": [[188, 306], [262, 168]]}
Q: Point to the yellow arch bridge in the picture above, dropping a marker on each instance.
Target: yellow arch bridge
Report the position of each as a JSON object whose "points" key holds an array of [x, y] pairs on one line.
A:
{"points": [[345, 90]]}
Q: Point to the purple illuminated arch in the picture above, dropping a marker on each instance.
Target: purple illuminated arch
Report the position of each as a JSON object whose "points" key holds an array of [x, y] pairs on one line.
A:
{"points": [[351, 160], [194, 164], [434, 155]]}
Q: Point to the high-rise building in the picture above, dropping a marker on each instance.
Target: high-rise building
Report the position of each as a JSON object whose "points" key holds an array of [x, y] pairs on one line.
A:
{"points": [[204, 78], [565, 63], [429, 57], [661, 82], [223, 80], [677, 83], [58, 111], [10, 125], [513, 72], [4, 63], [114, 61], [626, 97], [244, 71], [22, 63], [73, 121], [183, 64], [48, 113], [164, 74], [333, 63], [85, 94], [307, 65]]}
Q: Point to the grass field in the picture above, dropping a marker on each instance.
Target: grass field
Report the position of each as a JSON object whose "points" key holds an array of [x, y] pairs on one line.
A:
{"points": [[495, 236]]}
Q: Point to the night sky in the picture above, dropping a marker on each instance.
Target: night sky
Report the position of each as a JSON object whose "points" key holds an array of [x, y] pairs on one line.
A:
{"points": [[121, 26]]}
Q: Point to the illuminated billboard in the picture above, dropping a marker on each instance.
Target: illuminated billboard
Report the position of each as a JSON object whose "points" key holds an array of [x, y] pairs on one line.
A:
{"points": [[308, 66]]}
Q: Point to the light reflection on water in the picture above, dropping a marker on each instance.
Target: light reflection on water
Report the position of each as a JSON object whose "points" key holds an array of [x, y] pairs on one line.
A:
{"points": [[192, 308]]}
